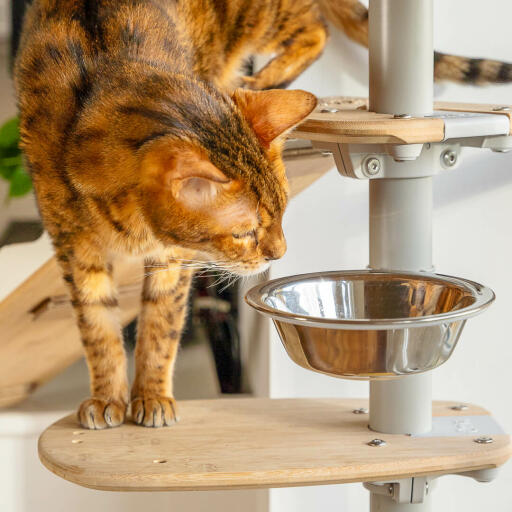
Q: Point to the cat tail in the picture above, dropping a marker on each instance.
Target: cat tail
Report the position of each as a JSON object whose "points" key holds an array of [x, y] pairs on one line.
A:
{"points": [[471, 71], [351, 16]]}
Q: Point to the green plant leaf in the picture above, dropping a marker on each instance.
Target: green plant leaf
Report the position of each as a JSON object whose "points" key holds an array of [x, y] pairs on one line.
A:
{"points": [[11, 161], [10, 133], [9, 152], [7, 172], [21, 183]]}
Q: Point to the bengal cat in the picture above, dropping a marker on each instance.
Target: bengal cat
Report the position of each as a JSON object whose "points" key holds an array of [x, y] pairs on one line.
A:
{"points": [[139, 142]]}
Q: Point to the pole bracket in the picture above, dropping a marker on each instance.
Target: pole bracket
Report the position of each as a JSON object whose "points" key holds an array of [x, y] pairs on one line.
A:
{"points": [[409, 490]]}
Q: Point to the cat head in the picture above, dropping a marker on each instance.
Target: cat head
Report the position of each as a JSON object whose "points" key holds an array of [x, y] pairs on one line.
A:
{"points": [[205, 167], [221, 188]]}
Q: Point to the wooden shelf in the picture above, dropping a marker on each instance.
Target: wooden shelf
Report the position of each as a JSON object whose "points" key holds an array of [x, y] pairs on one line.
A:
{"points": [[258, 443], [353, 123]]}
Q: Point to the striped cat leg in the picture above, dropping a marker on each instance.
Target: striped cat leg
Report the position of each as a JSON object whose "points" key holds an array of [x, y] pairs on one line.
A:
{"points": [[294, 55], [94, 299], [164, 301]]}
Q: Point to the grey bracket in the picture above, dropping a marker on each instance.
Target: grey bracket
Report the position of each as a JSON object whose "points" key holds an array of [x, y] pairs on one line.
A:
{"points": [[409, 490], [370, 161], [415, 489], [462, 129], [477, 429]]}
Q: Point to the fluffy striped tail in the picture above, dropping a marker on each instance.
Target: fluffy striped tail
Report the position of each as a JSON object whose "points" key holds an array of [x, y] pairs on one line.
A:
{"points": [[471, 71], [351, 16]]}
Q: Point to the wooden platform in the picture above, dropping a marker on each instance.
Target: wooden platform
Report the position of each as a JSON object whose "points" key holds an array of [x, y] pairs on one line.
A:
{"points": [[353, 123], [258, 443]]}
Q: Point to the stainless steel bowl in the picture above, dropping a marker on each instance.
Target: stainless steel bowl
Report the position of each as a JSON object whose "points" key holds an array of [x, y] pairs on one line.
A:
{"points": [[363, 324]]}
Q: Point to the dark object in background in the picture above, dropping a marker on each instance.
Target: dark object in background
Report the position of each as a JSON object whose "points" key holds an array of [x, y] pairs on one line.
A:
{"points": [[217, 309], [17, 11], [21, 231]]}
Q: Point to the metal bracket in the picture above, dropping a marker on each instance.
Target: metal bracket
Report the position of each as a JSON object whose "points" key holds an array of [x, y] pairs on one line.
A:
{"points": [[409, 490], [415, 489], [462, 129], [370, 161]]}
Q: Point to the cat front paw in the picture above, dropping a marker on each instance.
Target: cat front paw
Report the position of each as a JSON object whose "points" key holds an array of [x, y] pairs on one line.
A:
{"points": [[96, 413], [154, 411]]}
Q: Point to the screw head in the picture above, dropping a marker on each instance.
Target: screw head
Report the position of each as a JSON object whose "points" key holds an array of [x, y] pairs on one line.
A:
{"points": [[484, 440], [459, 407], [377, 442], [329, 110], [501, 109], [372, 166], [361, 410], [402, 116], [449, 157]]}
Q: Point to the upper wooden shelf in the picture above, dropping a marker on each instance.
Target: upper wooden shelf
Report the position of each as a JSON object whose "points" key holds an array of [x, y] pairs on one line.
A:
{"points": [[258, 443], [355, 124]]}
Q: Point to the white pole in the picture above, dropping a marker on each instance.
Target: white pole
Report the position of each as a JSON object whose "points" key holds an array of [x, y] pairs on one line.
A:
{"points": [[401, 82], [401, 56], [380, 503]]}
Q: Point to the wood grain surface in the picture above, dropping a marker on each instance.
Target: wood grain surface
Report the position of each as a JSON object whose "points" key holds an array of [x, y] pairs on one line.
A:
{"points": [[257, 443], [353, 123]]}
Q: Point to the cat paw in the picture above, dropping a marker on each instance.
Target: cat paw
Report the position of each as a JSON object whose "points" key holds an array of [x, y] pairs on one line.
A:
{"points": [[154, 411], [96, 413], [248, 82]]}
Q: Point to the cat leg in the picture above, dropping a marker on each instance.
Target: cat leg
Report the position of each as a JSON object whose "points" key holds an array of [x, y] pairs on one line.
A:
{"points": [[294, 55], [93, 294], [164, 301]]}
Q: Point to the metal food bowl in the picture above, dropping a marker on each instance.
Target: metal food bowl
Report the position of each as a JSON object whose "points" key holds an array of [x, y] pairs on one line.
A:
{"points": [[364, 324]]}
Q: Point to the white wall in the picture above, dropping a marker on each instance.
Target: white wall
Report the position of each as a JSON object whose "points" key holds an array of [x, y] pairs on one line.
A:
{"points": [[326, 228]]}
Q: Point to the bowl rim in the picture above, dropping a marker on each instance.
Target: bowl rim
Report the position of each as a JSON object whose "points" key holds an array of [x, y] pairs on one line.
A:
{"points": [[484, 297]]}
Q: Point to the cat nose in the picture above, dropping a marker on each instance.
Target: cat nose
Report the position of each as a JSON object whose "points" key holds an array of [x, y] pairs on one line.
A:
{"points": [[275, 250]]}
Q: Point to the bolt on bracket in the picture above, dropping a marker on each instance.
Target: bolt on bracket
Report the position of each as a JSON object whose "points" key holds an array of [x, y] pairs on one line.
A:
{"points": [[409, 490], [373, 161]]}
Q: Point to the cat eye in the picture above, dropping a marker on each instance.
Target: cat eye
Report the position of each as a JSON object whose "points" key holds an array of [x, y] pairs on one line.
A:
{"points": [[251, 233]]}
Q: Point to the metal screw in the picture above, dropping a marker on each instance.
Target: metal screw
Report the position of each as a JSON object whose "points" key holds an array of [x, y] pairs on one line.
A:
{"points": [[402, 116], [484, 440], [459, 407], [372, 166], [329, 110], [377, 442], [501, 109], [361, 410], [449, 157]]}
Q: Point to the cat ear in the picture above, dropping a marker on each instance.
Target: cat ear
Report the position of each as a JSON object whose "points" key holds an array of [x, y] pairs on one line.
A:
{"points": [[183, 172], [194, 181], [273, 112]]}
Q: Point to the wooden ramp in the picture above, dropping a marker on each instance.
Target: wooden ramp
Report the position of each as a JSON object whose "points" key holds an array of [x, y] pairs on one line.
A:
{"points": [[259, 443]]}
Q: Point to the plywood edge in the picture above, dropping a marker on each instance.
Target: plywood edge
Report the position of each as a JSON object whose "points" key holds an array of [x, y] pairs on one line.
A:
{"points": [[267, 479], [354, 123], [403, 457], [371, 128]]}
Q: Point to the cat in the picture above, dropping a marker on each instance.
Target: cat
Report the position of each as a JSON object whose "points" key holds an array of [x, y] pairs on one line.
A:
{"points": [[142, 138]]}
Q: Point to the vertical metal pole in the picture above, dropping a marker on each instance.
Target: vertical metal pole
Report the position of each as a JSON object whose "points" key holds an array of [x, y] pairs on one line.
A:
{"points": [[380, 503], [401, 82], [401, 56]]}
